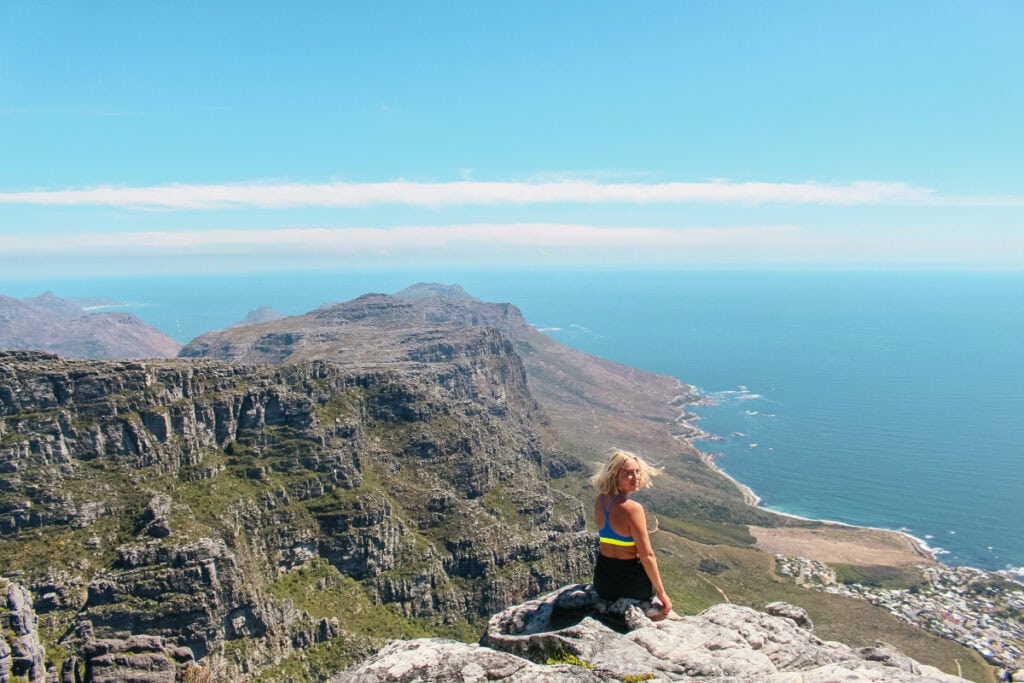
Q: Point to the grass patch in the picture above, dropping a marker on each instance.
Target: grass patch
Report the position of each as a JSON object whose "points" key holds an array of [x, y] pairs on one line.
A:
{"points": [[708, 533], [322, 591], [210, 498], [906, 578], [500, 502], [343, 405]]}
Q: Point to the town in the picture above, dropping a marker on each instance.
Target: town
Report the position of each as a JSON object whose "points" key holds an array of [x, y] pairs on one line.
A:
{"points": [[979, 609]]}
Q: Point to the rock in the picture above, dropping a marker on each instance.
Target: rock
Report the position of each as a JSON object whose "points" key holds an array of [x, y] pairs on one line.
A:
{"points": [[343, 447], [156, 516], [258, 315], [159, 507], [21, 652], [725, 642], [435, 660], [69, 671], [797, 614], [6, 661], [138, 659]]}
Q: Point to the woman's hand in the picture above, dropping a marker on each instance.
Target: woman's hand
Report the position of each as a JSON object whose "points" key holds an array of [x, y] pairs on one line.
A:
{"points": [[666, 604]]}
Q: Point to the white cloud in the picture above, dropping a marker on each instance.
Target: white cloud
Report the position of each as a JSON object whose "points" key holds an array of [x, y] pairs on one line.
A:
{"points": [[409, 238], [531, 241], [468, 192]]}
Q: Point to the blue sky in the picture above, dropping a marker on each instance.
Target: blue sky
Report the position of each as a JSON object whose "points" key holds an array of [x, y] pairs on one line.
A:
{"points": [[181, 137]]}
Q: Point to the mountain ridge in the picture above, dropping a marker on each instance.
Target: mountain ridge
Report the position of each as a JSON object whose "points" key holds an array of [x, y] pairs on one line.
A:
{"points": [[379, 468], [49, 323]]}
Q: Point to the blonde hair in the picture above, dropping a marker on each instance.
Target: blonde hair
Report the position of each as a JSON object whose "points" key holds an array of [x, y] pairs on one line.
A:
{"points": [[605, 480]]}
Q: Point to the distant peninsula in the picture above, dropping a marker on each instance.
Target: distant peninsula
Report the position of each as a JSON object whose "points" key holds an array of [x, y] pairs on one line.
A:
{"points": [[65, 327]]}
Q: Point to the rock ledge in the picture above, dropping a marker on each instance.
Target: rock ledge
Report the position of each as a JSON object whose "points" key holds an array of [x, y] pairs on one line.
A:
{"points": [[617, 641]]}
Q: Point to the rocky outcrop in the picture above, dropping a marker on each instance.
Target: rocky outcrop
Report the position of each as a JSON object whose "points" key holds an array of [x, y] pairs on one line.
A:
{"points": [[262, 314], [617, 641], [48, 323], [138, 659], [183, 494], [21, 653]]}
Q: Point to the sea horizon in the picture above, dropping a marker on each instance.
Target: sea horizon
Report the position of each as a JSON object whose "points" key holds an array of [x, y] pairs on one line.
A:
{"points": [[876, 398]]}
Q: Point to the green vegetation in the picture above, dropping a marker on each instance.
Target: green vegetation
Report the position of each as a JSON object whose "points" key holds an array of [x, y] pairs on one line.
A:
{"points": [[322, 591], [501, 503], [563, 657], [318, 662], [8, 439], [33, 550], [346, 404], [701, 531], [55, 653], [209, 499], [879, 576], [637, 678], [993, 586]]}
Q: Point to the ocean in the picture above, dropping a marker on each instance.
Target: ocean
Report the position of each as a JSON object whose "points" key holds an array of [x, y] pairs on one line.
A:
{"points": [[876, 398]]}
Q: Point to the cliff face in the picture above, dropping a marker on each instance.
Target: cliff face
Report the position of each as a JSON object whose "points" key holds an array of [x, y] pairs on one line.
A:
{"points": [[48, 323], [188, 500], [592, 404]]}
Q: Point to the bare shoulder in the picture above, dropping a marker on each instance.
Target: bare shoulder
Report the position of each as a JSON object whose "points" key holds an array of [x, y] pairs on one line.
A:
{"points": [[632, 508]]}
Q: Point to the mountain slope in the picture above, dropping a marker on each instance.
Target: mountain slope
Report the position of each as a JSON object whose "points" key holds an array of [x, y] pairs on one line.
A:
{"points": [[189, 499], [593, 404], [48, 323]]}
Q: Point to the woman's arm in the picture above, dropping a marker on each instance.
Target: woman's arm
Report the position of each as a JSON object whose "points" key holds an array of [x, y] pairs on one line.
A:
{"points": [[638, 528]]}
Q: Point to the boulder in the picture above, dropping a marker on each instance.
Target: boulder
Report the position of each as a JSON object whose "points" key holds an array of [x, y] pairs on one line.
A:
{"points": [[617, 641], [435, 660], [138, 659]]}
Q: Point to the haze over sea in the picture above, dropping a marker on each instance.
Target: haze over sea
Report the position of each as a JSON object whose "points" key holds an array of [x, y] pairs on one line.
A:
{"points": [[877, 398]]}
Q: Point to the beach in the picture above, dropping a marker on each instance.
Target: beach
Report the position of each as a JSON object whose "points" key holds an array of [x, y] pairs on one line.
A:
{"points": [[829, 542]]}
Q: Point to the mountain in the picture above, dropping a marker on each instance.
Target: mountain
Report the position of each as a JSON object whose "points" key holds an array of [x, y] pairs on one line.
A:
{"points": [[592, 404], [49, 323], [285, 497], [224, 507], [262, 314]]}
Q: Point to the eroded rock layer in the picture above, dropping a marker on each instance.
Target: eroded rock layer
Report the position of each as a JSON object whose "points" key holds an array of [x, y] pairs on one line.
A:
{"points": [[189, 500]]}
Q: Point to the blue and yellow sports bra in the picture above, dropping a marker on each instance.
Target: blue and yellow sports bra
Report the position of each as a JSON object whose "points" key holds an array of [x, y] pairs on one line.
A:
{"points": [[606, 533]]}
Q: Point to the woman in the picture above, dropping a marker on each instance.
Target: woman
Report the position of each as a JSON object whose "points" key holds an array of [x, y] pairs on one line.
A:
{"points": [[626, 565]]}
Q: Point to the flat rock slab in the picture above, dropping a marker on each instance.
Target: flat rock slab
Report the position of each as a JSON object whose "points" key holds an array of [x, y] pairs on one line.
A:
{"points": [[605, 641]]}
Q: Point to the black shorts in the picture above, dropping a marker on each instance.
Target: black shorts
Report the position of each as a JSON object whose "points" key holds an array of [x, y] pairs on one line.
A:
{"points": [[614, 579]]}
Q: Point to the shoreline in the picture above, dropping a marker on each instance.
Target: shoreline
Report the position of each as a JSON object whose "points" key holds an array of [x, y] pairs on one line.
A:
{"points": [[692, 433], [749, 497]]}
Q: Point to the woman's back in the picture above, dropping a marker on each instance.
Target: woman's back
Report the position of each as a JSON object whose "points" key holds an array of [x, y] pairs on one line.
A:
{"points": [[611, 513]]}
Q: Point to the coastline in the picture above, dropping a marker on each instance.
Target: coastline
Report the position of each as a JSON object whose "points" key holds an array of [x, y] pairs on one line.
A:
{"points": [[749, 497], [692, 433]]}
